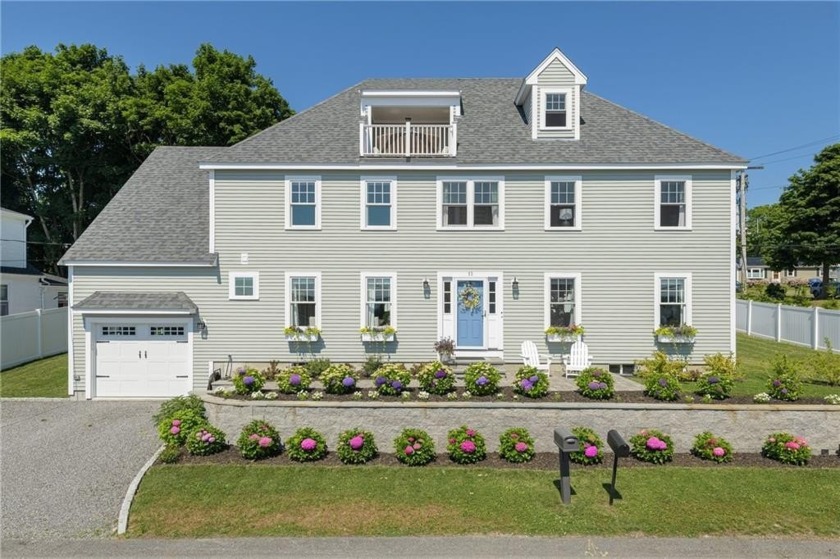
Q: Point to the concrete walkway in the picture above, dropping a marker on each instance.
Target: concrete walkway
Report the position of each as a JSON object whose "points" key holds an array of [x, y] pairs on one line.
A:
{"points": [[461, 547]]}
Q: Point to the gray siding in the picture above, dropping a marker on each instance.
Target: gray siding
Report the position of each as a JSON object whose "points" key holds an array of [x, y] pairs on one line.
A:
{"points": [[557, 75]]}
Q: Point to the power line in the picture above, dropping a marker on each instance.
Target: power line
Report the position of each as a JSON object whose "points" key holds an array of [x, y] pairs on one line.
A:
{"points": [[795, 147], [789, 158]]}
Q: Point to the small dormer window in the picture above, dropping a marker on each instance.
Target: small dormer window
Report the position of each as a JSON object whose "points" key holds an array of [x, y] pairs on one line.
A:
{"points": [[555, 110]]}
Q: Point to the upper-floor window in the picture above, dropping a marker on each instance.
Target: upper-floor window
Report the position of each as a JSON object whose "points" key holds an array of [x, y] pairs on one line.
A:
{"points": [[556, 109], [378, 300], [303, 203], [303, 296], [755, 273], [379, 203], [471, 204], [673, 202], [673, 299], [4, 299], [562, 203], [244, 285], [562, 299]]}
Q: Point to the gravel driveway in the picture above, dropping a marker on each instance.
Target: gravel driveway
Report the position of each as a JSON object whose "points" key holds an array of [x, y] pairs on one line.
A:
{"points": [[65, 465]]}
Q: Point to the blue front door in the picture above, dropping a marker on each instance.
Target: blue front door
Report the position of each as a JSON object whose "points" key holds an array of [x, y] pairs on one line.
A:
{"points": [[470, 299]]}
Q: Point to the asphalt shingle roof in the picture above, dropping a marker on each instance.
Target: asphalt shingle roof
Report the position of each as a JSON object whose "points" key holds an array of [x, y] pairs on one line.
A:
{"points": [[491, 130], [136, 301], [160, 215]]}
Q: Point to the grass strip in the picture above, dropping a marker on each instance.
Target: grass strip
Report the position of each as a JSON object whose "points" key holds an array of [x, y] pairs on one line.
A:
{"points": [[45, 378]]}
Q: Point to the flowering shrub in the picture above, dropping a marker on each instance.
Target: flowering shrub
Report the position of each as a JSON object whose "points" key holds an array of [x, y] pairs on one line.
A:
{"points": [[356, 446], [174, 429], [414, 447], [339, 379], [596, 383], [663, 387], [436, 378], [292, 380], [784, 383], [170, 454], [833, 399], [179, 403], [224, 392], [516, 445], [246, 381], [787, 449], [531, 382], [591, 447], [259, 439], [762, 398], [306, 445], [466, 446], [650, 445], [709, 447], [205, 440], [391, 379], [482, 378], [715, 386]]}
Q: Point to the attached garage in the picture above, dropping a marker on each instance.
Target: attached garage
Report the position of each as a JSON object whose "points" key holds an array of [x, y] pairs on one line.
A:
{"points": [[139, 344]]}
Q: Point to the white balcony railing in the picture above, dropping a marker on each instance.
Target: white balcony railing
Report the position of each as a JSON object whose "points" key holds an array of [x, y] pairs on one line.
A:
{"points": [[408, 140]]}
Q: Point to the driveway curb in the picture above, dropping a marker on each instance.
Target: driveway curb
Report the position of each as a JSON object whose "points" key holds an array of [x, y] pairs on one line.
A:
{"points": [[122, 524]]}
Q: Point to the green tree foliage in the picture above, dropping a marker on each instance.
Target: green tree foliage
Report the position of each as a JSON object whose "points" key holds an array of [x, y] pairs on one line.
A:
{"points": [[809, 218], [76, 124], [762, 231]]}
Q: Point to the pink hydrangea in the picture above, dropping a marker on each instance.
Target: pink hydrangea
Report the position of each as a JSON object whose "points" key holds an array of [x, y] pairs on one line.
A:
{"points": [[308, 444], [520, 447], [253, 437], [718, 451], [409, 450], [417, 445], [470, 432], [590, 451], [265, 442], [792, 445], [655, 443], [176, 422], [357, 442], [468, 447], [175, 430]]}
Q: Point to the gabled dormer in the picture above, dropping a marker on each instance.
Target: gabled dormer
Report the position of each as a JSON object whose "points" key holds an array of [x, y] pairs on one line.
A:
{"points": [[550, 98], [409, 123]]}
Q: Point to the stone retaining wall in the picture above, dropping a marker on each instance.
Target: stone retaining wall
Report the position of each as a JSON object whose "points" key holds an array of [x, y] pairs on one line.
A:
{"points": [[745, 426]]}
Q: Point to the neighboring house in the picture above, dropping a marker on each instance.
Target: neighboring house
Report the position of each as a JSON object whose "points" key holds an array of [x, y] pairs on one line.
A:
{"points": [[483, 210], [23, 287], [757, 269]]}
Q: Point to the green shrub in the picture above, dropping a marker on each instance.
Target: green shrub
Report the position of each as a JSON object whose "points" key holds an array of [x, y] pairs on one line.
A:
{"points": [[175, 428], [259, 439], [531, 382], [372, 363], [664, 387], [356, 446], [306, 445], [392, 379], [205, 441], [516, 445], [436, 378], [775, 291], [784, 382], [179, 403], [596, 383], [271, 372], [466, 446], [652, 446], [246, 381], [719, 379], [170, 454], [414, 447], [591, 449], [825, 365], [339, 379], [292, 380], [482, 379], [787, 449], [659, 364], [709, 447], [317, 366]]}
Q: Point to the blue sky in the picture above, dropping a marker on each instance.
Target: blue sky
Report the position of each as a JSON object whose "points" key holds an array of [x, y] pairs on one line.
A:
{"points": [[753, 78]]}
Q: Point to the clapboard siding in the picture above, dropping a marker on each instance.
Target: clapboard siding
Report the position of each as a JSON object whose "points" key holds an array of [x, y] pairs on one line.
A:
{"points": [[557, 74]]}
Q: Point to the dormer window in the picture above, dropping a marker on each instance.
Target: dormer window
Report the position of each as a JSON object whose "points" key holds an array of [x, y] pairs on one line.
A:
{"points": [[555, 110]]}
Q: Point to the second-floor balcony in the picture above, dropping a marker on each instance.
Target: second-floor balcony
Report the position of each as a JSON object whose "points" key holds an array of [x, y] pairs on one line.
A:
{"points": [[408, 140]]}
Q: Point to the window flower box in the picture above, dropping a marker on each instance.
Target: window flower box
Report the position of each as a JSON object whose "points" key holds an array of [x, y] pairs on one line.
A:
{"points": [[378, 335], [682, 334], [570, 333], [300, 334], [675, 339]]}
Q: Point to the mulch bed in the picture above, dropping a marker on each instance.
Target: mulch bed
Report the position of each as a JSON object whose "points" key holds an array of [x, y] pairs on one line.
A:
{"points": [[542, 461]]}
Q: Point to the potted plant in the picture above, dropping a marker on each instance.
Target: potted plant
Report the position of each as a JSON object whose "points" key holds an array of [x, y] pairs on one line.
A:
{"points": [[378, 333], [682, 334], [301, 334], [568, 333], [445, 349]]}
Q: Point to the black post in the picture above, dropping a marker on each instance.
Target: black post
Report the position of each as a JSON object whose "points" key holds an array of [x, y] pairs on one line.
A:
{"points": [[612, 485], [565, 479], [620, 449]]}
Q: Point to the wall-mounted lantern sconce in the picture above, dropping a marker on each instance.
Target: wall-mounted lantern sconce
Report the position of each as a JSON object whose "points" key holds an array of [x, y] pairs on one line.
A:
{"points": [[515, 283], [425, 283], [201, 325]]}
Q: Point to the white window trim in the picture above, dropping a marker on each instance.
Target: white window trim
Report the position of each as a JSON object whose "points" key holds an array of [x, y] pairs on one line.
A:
{"points": [[790, 273], [657, 202], [363, 296], [578, 180], [288, 299], [547, 295], [657, 295], [255, 276], [544, 92], [471, 180], [309, 178], [761, 274], [363, 203]]}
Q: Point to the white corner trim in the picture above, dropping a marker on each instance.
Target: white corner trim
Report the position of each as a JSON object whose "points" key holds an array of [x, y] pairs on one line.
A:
{"points": [[733, 311], [547, 295], [232, 276], [71, 382], [212, 210], [578, 180], [657, 201]]}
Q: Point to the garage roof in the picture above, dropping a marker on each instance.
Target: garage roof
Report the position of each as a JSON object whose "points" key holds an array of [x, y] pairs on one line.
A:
{"points": [[149, 301]]}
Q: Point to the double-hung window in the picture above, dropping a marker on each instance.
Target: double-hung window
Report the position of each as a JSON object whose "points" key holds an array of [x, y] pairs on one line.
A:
{"points": [[562, 299], [379, 203], [673, 202], [378, 300], [755, 273], [673, 299], [244, 285], [471, 204], [563, 203], [303, 203], [556, 108], [303, 296]]}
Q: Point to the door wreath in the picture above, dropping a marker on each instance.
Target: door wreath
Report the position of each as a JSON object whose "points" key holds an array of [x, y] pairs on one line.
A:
{"points": [[469, 297]]}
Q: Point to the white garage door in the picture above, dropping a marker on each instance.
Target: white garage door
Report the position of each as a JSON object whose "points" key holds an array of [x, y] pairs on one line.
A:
{"points": [[142, 360]]}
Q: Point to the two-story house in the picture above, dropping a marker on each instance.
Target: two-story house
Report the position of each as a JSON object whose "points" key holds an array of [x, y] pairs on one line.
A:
{"points": [[24, 287], [482, 210]]}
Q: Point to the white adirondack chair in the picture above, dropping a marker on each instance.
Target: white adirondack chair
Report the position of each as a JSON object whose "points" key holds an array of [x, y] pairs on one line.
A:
{"points": [[577, 360], [531, 358]]}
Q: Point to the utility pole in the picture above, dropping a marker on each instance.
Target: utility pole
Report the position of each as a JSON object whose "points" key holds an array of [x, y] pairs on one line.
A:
{"points": [[743, 182]]}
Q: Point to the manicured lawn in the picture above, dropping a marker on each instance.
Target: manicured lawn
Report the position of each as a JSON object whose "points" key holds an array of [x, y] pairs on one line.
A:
{"points": [[45, 378], [215, 500]]}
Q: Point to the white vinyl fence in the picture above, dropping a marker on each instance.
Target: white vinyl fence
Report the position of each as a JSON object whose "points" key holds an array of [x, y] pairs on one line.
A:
{"points": [[804, 326], [32, 335]]}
